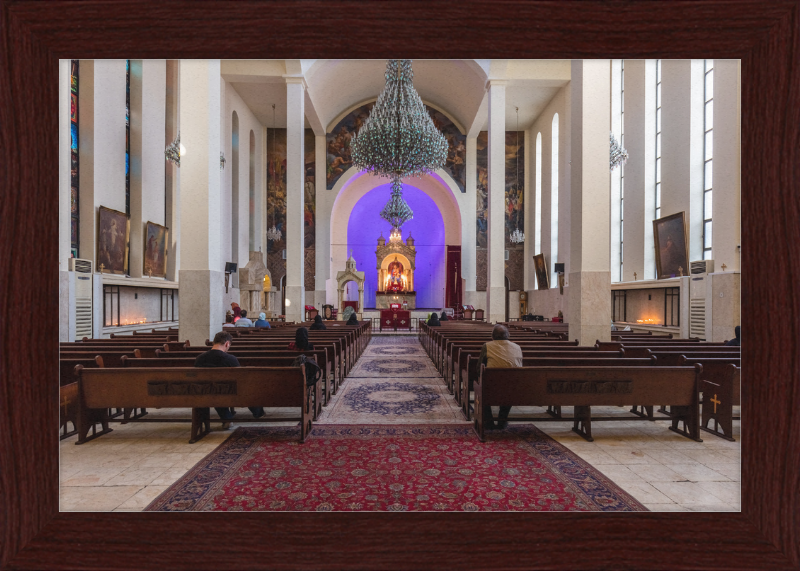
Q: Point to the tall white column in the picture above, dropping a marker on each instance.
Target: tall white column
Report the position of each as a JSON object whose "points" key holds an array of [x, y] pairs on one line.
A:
{"points": [[495, 287], [527, 275], [322, 265], [726, 209], [589, 313], [201, 275], [172, 173], [682, 147], [295, 180], [640, 138], [468, 225]]}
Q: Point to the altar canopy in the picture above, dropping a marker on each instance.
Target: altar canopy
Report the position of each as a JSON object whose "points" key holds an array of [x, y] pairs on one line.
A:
{"points": [[350, 274]]}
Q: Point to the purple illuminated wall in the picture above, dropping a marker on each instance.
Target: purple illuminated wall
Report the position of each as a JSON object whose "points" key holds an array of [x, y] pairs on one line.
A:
{"points": [[427, 228]]}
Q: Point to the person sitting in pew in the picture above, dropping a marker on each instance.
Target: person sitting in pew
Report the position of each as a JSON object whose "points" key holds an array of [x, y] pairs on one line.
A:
{"points": [[736, 341], [499, 353], [433, 320], [353, 319], [300, 342], [244, 322], [218, 356], [318, 325], [261, 322], [443, 317]]}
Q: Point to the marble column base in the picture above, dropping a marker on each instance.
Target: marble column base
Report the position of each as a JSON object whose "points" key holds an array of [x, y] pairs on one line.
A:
{"points": [[589, 312], [496, 304], [295, 312], [200, 304]]}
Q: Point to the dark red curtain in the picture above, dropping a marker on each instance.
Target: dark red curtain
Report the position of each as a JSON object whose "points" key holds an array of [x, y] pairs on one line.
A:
{"points": [[453, 273]]}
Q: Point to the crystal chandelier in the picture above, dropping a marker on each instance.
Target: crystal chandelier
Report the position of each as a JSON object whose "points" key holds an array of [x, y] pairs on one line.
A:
{"points": [[396, 212], [517, 237], [617, 156], [273, 233]]}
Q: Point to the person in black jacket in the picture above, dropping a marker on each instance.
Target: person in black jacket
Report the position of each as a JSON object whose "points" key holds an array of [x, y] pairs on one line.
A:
{"points": [[433, 320], [301, 340], [218, 356], [353, 320], [737, 341], [443, 317], [318, 325]]}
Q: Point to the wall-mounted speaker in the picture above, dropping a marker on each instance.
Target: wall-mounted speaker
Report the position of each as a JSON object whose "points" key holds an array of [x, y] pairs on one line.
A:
{"points": [[230, 267], [559, 267]]}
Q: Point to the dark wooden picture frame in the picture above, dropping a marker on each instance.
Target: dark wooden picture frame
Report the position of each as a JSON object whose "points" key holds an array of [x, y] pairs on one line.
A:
{"points": [[540, 267], [671, 245], [113, 241], [764, 35], [154, 258]]}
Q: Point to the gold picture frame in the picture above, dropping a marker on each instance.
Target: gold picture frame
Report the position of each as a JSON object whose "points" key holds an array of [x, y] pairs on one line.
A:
{"points": [[671, 245], [154, 258], [113, 241], [540, 265]]}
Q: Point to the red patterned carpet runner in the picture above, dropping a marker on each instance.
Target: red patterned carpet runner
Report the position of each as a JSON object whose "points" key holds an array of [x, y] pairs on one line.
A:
{"points": [[393, 468]]}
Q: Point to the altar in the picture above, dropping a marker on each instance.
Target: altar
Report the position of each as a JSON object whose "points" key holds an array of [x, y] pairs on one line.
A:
{"points": [[395, 264], [395, 319]]}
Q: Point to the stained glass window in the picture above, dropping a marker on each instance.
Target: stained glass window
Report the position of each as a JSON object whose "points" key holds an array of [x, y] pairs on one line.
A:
{"points": [[74, 178], [128, 137]]}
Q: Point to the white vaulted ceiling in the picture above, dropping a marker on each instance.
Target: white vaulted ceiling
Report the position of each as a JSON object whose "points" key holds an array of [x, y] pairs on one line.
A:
{"points": [[456, 87]]}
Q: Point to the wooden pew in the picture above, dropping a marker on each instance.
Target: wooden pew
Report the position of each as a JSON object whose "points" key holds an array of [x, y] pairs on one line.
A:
{"points": [[720, 385], [195, 388], [68, 392], [185, 362], [584, 387]]}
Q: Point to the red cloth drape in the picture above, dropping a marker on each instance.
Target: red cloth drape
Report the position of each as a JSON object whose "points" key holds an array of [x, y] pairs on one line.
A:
{"points": [[453, 273]]}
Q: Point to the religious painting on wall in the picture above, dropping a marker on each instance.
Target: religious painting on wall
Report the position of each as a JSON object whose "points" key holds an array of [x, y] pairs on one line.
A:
{"points": [[74, 159], [156, 238], [514, 187], [309, 186], [672, 255], [540, 266], [338, 158], [113, 241]]}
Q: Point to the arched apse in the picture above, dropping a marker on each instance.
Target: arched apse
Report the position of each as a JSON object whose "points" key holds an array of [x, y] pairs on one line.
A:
{"points": [[235, 187], [427, 228], [352, 186]]}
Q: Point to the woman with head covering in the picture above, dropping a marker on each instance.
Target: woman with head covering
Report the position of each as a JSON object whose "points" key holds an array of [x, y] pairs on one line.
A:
{"points": [[318, 325], [348, 311], [353, 319], [737, 341], [301, 340], [237, 311], [443, 317], [261, 322], [433, 320]]}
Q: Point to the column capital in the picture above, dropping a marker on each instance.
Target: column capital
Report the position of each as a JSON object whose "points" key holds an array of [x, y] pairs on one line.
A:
{"points": [[296, 79], [495, 83]]}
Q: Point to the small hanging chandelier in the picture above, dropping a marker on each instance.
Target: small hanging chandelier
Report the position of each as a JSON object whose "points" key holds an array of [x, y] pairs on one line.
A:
{"points": [[273, 233], [517, 237], [396, 212], [617, 155]]}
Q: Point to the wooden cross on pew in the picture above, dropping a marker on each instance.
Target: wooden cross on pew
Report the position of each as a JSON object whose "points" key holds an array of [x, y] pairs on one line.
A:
{"points": [[716, 402]]}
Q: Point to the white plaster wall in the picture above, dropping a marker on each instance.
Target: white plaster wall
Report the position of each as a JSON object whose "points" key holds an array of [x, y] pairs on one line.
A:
{"points": [[109, 135], [548, 302], [725, 305]]}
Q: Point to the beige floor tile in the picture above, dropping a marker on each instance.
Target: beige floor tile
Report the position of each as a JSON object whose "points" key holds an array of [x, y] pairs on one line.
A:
{"points": [[732, 471], [646, 493], [666, 507], [698, 473], [135, 477], [597, 458], [628, 455], [728, 492], [95, 499], [169, 477], [707, 456], [92, 476], [685, 493], [143, 497], [713, 508], [667, 456], [620, 474], [655, 473]]}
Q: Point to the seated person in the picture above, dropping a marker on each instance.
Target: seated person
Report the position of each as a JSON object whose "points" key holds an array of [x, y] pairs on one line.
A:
{"points": [[218, 356], [261, 322], [318, 325], [353, 320], [244, 322], [500, 353], [300, 342], [433, 320], [237, 311], [348, 311], [443, 317], [736, 341]]}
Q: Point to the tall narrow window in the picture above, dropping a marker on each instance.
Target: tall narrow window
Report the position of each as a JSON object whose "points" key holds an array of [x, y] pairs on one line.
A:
{"points": [[537, 244], [658, 138], [554, 201], [74, 175], [128, 137], [622, 166], [708, 153]]}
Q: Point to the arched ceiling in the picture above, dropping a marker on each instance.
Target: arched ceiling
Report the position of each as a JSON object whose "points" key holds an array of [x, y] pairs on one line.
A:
{"points": [[457, 87]]}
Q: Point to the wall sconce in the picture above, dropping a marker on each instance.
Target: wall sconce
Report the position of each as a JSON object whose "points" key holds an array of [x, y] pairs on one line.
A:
{"points": [[222, 161], [230, 267], [174, 151]]}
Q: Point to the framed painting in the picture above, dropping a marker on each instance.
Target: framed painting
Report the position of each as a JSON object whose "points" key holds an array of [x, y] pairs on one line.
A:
{"points": [[672, 254], [113, 241], [156, 238], [540, 265]]}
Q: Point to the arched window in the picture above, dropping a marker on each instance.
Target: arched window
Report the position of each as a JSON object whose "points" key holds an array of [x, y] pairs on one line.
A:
{"points": [[554, 202], [128, 137], [252, 205], [235, 188], [537, 232], [708, 153]]}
